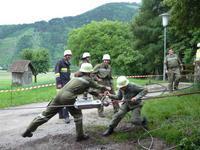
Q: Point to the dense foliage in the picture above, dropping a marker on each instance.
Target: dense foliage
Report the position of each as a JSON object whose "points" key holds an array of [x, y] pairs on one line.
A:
{"points": [[105, 37]]}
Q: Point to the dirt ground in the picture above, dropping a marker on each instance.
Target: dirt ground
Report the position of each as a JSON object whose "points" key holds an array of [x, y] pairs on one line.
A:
{"points": [[56, 135]]}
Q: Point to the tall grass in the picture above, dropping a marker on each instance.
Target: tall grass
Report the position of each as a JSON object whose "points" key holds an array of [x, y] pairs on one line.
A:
{"points": [[176, 119]]}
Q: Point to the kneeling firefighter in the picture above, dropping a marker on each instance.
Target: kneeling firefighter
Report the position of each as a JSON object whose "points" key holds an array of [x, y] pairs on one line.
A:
{"points": [[131, 95]]}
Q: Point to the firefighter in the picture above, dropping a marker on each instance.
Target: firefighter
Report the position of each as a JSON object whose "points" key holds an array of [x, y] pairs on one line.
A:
{"points": [[62, 73], [103, 75], [174, 67], [198, 53], [67, 96], [85, 58], [131, 95], [197, 66]]}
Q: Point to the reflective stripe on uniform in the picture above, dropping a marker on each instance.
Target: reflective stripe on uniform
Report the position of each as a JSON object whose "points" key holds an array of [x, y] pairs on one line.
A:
{"points": [[42, 117], [77, 118], [63, 69], [57, 74]]}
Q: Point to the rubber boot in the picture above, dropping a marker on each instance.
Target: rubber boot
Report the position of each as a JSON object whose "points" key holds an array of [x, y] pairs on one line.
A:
{"points": [[108, 132], [82, 138], [145, 123], [79, 132], [100, 112], [27, 133], [67, 120]]}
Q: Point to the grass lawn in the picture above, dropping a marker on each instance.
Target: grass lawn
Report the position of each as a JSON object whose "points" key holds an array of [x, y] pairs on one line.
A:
{"points": [[6, 80], [26, 97], [176, 119]]}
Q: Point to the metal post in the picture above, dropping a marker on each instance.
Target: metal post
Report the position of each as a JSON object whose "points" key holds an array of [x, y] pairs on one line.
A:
{"points": [[165, 45]]}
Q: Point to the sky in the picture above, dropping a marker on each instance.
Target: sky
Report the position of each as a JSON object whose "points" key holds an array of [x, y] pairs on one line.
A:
{"points": [[30, 11]]}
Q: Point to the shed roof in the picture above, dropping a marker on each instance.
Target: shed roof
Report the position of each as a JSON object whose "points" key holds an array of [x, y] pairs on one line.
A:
{"points": [[21, 66]]}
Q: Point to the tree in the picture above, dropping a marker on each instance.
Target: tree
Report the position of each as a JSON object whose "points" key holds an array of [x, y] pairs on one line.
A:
{"points": [[103, 37], [39, 59], [187, 16], [184, 28], [148, 39]]}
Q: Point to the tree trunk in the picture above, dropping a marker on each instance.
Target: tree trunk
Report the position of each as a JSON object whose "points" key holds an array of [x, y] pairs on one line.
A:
{"points": [[35, 78]]}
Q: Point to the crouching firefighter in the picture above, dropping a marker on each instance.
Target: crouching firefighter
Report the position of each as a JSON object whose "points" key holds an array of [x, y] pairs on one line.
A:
{"points": [[67, 96], [131, 95]]}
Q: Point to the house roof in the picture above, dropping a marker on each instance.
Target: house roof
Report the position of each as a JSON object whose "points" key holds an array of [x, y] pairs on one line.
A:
{"points": [[21, 66]]}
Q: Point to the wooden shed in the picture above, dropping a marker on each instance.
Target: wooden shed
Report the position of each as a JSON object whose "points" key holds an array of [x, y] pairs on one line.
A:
{"points": [[22, 72]]}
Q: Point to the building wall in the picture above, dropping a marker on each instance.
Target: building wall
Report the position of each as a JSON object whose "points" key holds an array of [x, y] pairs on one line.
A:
{"points": [[17, 78], [24, 78], [27, 78]]}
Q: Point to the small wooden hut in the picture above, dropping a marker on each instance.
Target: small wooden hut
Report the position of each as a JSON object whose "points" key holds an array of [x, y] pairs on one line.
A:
{"points": [[22, 72]]}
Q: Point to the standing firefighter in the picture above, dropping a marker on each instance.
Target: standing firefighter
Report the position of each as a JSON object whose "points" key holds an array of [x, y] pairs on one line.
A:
{"points": [[67, 96], [62, 73], [173, 65], [103, 75], [197, 66], [85, 58], [131, 96]]}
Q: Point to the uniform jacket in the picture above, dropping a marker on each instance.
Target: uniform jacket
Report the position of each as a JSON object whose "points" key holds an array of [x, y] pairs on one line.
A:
{"points": [[103, 71], [62, 72], [172, 61], [78, 85], [130, 92]]}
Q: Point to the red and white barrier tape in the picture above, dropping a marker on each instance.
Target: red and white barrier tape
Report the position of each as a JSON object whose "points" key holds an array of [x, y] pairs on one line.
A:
{"points": [[28, 88], [141, 76]]}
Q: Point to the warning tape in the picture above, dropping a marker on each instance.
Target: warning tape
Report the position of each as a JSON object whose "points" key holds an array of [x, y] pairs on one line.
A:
{"points": [[141, 76], [28, 88], [151, 76], [53, 84]]}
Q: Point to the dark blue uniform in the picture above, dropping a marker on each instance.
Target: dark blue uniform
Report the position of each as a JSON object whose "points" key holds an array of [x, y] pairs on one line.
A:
{"points": [[62, 73]]}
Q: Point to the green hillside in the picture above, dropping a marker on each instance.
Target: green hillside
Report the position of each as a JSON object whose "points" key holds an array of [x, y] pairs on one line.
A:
{"points": [[53, 34]]}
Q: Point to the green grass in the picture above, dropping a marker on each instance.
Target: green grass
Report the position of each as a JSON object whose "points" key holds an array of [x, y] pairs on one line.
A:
{"points": [[26, 97], [6, 79], [175, 118]]}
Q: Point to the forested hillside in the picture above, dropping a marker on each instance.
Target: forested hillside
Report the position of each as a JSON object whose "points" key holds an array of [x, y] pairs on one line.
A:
{"points": [[52, 35]]}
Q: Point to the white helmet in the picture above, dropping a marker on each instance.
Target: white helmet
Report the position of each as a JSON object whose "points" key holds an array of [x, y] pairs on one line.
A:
{"points": [[86, 54], [106, 57], [198, 45], [122, 81], [86, 67], [67, 52]]}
